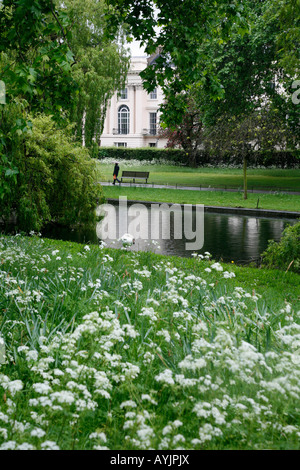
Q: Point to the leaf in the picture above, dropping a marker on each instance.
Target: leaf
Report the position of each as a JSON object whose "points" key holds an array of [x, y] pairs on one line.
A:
{"points": [[11, 172]]}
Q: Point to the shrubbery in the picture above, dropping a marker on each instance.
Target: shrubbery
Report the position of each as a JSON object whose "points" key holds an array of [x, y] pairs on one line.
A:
{"points": [[286, 253], [55, 180], [140, 154], [282, 159]]}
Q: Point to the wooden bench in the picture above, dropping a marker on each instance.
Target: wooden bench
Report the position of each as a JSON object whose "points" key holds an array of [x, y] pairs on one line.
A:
{"points": [[135, 175]]}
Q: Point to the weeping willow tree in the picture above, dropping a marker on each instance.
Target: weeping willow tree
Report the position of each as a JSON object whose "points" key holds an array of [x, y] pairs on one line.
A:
{"points": [[100, 67]]}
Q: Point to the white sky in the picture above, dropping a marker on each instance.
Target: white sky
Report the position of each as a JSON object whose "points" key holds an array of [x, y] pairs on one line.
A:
{"points": [[136, 50]]}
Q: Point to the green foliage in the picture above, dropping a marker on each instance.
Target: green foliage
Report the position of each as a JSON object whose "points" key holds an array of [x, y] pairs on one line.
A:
{"points": [[100, 68], [55, 180], [35, 38], [238, 134], [188, 134], [252, 75], [35, 66], [286, 253], [283, 159], [183, 27], [147, 153], [286, 12], [53, 61], [12, 126]]}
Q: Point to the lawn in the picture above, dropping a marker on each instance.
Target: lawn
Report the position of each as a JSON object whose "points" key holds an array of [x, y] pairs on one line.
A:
{"points": [[272, 178], [274, 201], [113, 349]]}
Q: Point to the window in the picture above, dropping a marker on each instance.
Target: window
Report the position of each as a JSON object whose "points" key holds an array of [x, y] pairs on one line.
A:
{"points": [[120, 144], [153, 117], [153, 94], [124, 94], [123, 120], [152, 144]]}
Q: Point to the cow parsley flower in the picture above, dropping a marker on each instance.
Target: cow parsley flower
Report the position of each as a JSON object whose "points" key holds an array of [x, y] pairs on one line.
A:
{"points": [[38, 433], [165, 377], [217, 267], [49, 445], [128, 404]]}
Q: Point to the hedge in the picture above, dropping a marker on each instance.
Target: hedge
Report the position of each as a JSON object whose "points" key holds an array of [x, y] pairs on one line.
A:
{"points": [[282, 159], [147, 153]]}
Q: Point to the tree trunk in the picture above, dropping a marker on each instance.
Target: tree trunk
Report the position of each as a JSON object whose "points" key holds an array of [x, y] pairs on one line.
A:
{"points": [[83, 128], [192, 157], [245, 176]]}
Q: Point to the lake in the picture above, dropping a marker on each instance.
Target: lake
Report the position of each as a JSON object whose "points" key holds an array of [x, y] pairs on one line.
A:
{"points": [[227, 237]]}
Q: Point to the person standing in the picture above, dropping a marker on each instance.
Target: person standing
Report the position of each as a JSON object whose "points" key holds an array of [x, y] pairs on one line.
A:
{"points": [[115, 173]]}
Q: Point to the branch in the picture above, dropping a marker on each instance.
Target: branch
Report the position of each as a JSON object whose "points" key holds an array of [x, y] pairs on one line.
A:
{"points": [[61, 28]]}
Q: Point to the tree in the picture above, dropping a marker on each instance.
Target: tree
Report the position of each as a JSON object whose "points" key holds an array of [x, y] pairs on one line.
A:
{"points": [[55, 180], [257, 104], [286, 14], [34, 37], [35, 66], [228, 51], [257, 131], [178, 29], [250, 70], [100, 69], [187, 134], [44, 174]]}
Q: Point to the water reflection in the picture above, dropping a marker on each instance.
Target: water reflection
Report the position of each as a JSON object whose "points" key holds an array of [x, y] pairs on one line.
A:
{"points": [[227, 237]]}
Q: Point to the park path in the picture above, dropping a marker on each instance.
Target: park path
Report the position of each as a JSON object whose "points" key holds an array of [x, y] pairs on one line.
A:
{"points": [[201, 188]]}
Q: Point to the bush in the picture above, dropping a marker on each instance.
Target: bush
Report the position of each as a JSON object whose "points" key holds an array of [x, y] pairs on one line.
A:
{"points": [[56, 180], [148, 153], [281, 159], [286, 253]]}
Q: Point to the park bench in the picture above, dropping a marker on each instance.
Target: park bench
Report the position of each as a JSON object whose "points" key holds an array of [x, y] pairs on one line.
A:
{"points": [[135, 175]]}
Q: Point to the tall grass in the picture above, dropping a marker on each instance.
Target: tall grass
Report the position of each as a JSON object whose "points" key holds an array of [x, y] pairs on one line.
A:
{"points": [[113, 349]]}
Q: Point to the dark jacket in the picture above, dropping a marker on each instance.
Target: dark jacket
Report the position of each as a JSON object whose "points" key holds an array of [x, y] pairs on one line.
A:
{"points": [[116, 170]]}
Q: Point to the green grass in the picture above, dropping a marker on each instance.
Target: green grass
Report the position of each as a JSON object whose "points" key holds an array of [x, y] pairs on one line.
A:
{"points": [[214, 177], [278, 201], [125, 350]]}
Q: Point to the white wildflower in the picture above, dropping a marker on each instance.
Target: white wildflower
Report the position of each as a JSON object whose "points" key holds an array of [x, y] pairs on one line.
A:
{"points": [[38, 433], [165, 377], [128, 404]]}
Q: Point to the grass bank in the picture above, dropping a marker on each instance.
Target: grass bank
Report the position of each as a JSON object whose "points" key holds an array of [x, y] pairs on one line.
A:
{"points": [[278, 201], [273, 178], [112, 349]]}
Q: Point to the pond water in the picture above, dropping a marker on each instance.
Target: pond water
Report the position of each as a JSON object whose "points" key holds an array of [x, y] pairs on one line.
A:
{"points": [[227, 237]]}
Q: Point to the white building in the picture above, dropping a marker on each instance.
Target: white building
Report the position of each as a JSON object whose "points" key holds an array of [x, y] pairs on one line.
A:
{"points": [[132, 118]]}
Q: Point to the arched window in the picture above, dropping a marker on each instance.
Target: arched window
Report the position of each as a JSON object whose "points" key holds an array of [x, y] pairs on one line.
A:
{"points": [[123, 120]]}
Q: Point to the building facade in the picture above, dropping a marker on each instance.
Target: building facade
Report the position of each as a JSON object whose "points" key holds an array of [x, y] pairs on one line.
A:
{"points": [[132, 118]]}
